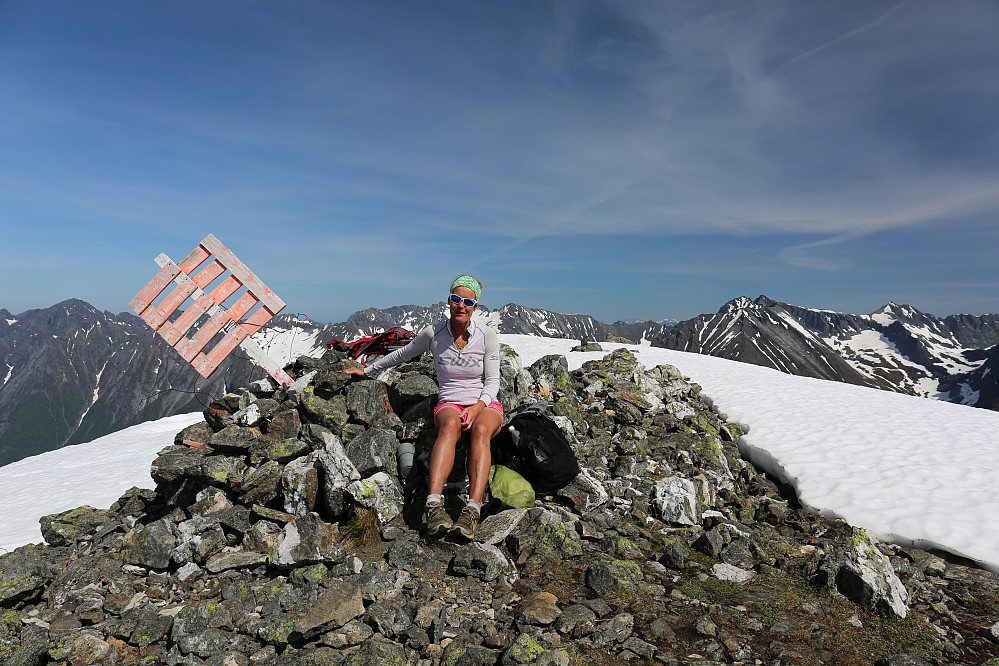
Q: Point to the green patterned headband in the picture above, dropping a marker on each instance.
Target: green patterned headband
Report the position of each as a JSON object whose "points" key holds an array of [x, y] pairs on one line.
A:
{"points": [[468, 281]]}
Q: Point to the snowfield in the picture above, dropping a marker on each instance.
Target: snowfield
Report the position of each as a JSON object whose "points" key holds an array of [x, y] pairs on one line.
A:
{"points": [[912, 471]]}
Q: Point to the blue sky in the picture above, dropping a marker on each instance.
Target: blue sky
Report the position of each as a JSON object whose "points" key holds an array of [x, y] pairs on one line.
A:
{"points": [[639, 159]]}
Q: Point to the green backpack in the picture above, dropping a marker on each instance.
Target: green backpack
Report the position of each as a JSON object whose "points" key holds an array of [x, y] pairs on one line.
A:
{"points": [[510, 488]]}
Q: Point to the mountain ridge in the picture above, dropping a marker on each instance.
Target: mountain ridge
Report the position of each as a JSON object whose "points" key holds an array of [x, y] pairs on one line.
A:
{"points": [[70, 373]]}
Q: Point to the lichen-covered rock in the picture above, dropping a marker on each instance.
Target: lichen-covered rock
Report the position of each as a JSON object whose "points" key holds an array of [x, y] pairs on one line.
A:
{"points": [[374, 450], [60, 529], [338, 473], [515, 380], [307, 540], [410, 391], [199, 628], [22, 573], [236, 439], [674, 501], [85, 646], [283, 425], [263, 537], [198, 539], [331, 414], [613, 576], [282, 451], [337, 606], [151, 545], [197, 433], [553, 533], [524, 650], [539, 609], [261, 484], [380, 493], [300, 485], [176, 462], [482, 561], [367, 401], [866, 577], [551, 379], [226, 472]]}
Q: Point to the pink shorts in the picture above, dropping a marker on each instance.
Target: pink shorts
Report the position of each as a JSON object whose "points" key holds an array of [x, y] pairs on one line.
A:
{"points": [[461, 408]]}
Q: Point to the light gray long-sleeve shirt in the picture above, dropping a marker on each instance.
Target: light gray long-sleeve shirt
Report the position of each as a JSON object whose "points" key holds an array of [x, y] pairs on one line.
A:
{"points": [[465, 376]]}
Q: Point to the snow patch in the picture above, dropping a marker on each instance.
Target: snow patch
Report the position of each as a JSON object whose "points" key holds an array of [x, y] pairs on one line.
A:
{"points": [[915, 472], [10, 371]]}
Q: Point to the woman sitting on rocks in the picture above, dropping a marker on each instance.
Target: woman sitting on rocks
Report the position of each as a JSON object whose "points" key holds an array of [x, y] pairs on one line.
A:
{"points": [[466, 357]]}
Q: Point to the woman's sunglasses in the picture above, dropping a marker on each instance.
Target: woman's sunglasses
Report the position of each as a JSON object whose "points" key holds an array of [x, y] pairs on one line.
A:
{"points": [[467, 302]]}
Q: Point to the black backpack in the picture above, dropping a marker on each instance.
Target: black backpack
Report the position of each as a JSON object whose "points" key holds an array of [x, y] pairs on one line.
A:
{"points": [[536, 449], [373, 345]]}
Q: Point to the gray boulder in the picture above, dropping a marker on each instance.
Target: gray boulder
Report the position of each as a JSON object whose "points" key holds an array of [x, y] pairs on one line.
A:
{"points": [[372, 451], [300, 485], [674, 500], [380, 493], [367, 401], [867, 578], [307, 540]]}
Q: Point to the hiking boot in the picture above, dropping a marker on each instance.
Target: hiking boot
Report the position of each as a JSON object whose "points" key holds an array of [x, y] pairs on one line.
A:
{"points": [[436, 518], [467, 521]]}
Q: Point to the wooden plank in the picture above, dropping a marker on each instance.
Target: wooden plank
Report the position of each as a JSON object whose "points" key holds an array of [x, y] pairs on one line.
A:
{"points": [[257, 320], [208, 331], [193, 260], [213, 359], [243, 274], [160, 314], [208, 274], [225, 290], [242, 306], [154, 288], [175, 333], [187, 320]]}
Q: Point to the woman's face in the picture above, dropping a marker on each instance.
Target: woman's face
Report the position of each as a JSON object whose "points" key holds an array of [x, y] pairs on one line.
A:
{"points": [[459, 311]]}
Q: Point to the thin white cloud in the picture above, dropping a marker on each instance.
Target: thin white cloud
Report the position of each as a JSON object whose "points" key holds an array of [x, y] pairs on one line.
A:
{"points": [[867, 27]]}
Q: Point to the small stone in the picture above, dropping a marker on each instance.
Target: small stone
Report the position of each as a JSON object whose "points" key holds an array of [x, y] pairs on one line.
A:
{"points": [[724, 571], [539, 609], [705, 626], [337, 606]]}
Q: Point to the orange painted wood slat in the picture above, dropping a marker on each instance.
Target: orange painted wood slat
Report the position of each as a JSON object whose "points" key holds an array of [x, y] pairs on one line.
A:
{"points": [[213, 359], [207, 274], [188, 319], [257, 320], [160, 314], [242, 306], [225, 290], [243, 274], [154, 288], [193, 260], [209, 330]]}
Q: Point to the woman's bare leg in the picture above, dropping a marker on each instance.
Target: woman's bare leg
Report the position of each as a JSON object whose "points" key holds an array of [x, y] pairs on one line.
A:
{"points": [[483, 429], [448, 422]]}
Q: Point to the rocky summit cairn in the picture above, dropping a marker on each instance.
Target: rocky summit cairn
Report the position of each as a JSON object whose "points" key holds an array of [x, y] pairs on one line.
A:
{"points": [[282, 531]]}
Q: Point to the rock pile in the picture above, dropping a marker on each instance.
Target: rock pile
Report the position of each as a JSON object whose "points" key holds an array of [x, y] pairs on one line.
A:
{"points": [[283, 530]]}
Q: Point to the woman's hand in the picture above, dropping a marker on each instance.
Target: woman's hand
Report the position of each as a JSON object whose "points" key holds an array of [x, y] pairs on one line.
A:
{"points": [[355, 371], [469, 415]]}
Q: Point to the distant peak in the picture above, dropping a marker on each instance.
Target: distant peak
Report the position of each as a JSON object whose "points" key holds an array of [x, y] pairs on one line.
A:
{"points": [[765, 301], [739, 304]]}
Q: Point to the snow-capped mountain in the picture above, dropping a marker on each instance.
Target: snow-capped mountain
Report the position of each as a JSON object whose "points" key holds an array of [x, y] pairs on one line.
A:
{"points": [[897, 348], [70, 373]]}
